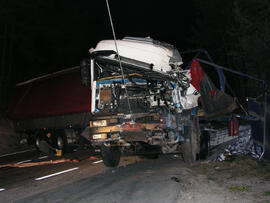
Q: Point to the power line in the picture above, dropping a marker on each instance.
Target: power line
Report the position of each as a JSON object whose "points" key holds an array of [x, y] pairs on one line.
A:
{"points": [[119, 59]]}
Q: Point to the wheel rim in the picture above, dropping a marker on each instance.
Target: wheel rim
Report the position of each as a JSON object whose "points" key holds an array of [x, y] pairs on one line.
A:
{"points": [[38, 142], [60, 142]]}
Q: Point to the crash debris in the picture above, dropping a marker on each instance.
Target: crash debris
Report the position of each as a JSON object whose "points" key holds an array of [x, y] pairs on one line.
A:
{"points": [[24, 165], [241, 145]]}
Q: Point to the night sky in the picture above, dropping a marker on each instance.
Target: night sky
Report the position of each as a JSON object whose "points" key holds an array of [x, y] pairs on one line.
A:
{"points": [[39, 37], [56, 35]]}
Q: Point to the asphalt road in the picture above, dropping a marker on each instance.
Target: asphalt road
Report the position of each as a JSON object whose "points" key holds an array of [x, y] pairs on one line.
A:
{"points": [[135, 180]]}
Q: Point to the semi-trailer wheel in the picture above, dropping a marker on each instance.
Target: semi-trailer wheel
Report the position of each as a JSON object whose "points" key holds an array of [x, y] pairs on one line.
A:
{"points": [[61, 142], [37, 142], [110, 155]]}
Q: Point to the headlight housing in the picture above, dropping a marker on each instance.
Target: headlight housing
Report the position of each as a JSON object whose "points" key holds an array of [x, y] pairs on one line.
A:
{"points": [[99, 136], [99, 123]]}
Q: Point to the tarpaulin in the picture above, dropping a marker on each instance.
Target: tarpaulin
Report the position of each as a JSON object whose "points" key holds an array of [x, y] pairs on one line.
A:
{"points": [[214, 101], [57, 95], [196, 74]]}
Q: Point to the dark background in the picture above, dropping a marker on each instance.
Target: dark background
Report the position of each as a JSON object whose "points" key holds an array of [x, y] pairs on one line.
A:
{"points": [[39, 37]]}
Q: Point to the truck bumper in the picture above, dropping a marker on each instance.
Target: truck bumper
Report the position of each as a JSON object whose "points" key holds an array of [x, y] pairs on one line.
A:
{"points": [[123, 133]]}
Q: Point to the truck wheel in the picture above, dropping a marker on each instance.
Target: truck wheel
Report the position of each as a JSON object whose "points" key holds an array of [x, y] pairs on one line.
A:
{"points": [[110, 155], [61, 143], [190, 145], [204, 145], [37, 142], [31, 139]]}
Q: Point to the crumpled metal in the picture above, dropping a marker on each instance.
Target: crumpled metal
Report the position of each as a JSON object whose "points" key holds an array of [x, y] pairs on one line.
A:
{"points": [[243, 145]]}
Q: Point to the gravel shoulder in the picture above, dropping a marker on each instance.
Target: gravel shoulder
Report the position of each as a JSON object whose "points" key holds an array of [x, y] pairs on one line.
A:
{"points": [[241, 179]]}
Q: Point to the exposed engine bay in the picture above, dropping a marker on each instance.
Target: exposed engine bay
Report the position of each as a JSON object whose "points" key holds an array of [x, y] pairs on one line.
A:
{"points": [[145, 95], [152, 73]]}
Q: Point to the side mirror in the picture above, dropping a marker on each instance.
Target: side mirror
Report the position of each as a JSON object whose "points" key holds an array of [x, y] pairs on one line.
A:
{"points": [[85, 72]]}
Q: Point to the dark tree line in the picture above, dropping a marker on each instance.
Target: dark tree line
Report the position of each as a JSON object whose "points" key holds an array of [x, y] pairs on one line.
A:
{"points": [[250, 35], [237, 35]]}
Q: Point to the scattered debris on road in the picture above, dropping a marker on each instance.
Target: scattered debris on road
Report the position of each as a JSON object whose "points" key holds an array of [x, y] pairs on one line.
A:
{"points": [[242, 145], [23, 165]]}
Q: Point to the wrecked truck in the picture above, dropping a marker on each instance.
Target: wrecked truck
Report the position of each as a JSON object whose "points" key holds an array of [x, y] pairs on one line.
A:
{"points": [[144, 101]]}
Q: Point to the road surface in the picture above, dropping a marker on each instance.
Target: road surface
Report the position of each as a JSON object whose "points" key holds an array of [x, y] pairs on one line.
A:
{"points": [[135, 180], [166, 179]]}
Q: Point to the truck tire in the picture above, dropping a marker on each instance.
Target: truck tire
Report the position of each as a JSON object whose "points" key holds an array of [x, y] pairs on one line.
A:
{"points": [[190, 145], [61, 143], [37, 137], [110, 155], [37, 142], [204, 145], [31, 139]]}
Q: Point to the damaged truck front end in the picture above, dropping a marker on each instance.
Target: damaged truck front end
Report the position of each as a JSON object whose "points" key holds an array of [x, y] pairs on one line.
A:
{"points": [[141, 100]]}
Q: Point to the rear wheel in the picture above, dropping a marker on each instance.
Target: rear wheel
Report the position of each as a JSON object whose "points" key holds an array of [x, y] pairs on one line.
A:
{"points": [[204, 145], [37, 142], [61, 143], [190, 145], [110, 155]]}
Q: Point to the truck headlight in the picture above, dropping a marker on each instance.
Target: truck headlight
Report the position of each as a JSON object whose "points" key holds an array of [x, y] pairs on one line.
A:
{"points": [[99, 136], [100, 123]]}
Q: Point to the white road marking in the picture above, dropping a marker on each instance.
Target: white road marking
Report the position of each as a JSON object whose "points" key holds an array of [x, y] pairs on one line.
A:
{"points": [[28, 150], [43, 157], [2, 189], [24, 161], [96, 162], [58, 173]]}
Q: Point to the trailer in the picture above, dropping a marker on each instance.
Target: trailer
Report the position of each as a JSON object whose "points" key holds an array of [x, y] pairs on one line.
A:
{"points": [[56, 103]]}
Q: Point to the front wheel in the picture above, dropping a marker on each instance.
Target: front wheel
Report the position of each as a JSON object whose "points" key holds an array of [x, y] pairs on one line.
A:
{"points": [[190, 145], [110, 155]]}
